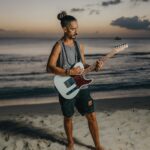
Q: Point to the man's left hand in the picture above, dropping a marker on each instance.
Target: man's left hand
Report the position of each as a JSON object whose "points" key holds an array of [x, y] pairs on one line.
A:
{"points": [[99, 64]]}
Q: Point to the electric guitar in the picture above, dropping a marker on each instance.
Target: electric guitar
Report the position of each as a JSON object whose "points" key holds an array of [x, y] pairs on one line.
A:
{"points": [[69, 86]]}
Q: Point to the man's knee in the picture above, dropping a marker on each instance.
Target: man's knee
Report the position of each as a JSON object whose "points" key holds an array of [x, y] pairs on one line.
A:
{"points": [[91, 117], [67, 119]]}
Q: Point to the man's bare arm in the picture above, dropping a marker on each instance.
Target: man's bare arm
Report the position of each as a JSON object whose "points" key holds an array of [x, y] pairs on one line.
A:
{"points": [[99, 63], [52, 61]]}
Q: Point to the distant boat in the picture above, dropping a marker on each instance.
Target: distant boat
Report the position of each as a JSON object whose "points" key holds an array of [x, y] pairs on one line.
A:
{"points": [[117, 38]]}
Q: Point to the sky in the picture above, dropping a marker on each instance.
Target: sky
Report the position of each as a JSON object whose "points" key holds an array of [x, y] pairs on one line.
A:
{"points": [[96, 18]]}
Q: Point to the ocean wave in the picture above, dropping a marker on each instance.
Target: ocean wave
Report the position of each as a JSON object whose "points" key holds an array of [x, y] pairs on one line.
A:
{"points": [[22, 74], [121, 86], [26, 92], [123, 71], [139, 53], [4, 58], [29, 92]]}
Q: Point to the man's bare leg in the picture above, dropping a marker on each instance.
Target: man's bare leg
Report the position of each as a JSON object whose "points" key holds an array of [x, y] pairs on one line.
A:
{"points": [[93, 127], [68, 126]]}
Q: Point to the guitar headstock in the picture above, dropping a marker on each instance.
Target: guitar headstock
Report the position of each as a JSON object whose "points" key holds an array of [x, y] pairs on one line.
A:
{"points": [[120, 47]]}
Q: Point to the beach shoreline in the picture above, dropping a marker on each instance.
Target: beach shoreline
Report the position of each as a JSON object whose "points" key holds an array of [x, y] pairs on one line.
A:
{"points": [[95, 95], [123, 125]]}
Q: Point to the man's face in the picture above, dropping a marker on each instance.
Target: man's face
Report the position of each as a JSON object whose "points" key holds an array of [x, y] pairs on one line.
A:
{"points": [[71, 30]]}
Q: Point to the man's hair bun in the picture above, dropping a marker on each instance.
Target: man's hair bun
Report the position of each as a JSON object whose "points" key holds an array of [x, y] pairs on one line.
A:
{"points": [[65, 19], [61, 15]]}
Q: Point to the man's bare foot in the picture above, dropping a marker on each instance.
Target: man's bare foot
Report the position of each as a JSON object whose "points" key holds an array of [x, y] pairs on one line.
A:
{"points": [[100, 148], [70, 147]]}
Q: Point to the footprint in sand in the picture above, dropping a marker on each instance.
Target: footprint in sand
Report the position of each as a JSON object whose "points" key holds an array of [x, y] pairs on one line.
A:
{"points": [[4, 148], [7, 137]]}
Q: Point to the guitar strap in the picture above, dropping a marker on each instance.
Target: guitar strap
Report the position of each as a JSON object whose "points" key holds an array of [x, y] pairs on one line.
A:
{"points": [[78, 51]]}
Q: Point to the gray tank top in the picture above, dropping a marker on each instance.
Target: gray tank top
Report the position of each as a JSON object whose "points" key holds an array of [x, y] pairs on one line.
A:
{"points": [[69, 56]]}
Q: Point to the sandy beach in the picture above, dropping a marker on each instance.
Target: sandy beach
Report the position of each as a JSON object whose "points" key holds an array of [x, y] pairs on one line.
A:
{"points": [[124, 124]]}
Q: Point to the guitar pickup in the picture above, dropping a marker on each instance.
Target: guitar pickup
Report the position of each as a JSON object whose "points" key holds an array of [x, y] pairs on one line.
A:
{"points": [[68, 83]]}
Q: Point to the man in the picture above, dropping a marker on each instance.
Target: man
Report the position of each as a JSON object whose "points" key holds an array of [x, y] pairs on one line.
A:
{"points": [[65, 53]]}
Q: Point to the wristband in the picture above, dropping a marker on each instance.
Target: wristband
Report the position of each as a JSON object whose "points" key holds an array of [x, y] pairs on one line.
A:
{"points": [[67, 72]]}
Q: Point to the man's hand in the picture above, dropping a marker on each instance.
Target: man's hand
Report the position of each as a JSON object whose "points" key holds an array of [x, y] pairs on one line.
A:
{"points": [[76, 71], [99, 64]]}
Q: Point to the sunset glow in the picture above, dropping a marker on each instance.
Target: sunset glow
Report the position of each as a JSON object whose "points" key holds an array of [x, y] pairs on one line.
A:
{"points": [[37, 18]]}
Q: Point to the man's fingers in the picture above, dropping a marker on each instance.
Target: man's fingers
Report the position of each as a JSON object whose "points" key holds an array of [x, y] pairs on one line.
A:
{"points": [[99, 64], [82, 70]]}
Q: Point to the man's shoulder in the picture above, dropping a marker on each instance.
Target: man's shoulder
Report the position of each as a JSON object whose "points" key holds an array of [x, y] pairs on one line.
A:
{"points": [[80, 44], [57, 44]]}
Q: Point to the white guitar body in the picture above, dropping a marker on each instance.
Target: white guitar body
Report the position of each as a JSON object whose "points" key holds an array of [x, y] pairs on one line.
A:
{"points": [[68, 86]]}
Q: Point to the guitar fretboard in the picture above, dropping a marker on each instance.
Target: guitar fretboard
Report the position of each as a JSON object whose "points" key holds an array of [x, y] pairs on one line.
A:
{"points": [[104, 58]]}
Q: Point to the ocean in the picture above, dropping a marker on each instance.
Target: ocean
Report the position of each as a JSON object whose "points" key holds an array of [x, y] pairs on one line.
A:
{"points": [[23, 68]]}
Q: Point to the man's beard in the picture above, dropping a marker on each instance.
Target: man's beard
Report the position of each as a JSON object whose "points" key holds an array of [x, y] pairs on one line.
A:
{"points": [[74, 36]]}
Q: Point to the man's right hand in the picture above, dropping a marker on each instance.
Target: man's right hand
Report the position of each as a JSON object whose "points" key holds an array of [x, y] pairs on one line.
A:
{"points": [[76, 71]]}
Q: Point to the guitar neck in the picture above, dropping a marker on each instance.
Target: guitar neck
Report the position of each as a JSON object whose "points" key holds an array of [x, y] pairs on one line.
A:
{"points": [[104, 58]]}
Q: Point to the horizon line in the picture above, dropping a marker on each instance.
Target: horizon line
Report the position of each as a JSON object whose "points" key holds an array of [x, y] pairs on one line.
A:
{"points": [[33, 37]]}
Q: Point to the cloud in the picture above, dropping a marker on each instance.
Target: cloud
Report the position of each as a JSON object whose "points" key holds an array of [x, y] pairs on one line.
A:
{"points": [[94, 11], [89, 7], [2, 30], [134, 23], [112, 2], [93, 4], [140, 0], [94, 8], [77, 9], [14, 33]]}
